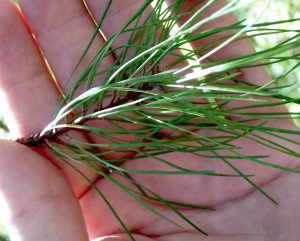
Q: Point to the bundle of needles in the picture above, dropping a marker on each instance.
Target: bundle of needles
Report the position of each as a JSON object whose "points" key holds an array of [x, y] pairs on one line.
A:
{"points": [[167, 94]]}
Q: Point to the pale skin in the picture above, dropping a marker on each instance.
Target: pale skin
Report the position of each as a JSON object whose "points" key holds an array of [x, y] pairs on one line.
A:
{"points": [[48, 200]]}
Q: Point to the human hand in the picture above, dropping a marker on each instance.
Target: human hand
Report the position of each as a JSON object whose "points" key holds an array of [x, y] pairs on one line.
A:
{"points": [[48, 200]]}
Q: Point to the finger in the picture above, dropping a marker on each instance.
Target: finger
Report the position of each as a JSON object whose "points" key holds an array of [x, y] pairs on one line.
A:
{"points": [[27, 85], [23, 77], [63, 30], [118, 14], [40, 205], [257, 75], [254, 75]]}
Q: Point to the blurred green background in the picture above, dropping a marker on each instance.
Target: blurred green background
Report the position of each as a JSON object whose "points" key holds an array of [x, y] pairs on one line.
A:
{"points": [[277, 10]]}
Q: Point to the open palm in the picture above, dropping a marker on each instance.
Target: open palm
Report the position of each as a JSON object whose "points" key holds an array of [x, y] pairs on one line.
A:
{"points": [[47, 200]]}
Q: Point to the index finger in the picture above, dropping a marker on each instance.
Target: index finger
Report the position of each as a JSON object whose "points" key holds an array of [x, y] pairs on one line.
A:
{"points": [[24, 79]]}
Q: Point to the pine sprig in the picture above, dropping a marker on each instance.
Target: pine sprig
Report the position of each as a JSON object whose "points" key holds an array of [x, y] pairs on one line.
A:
{"points": [[171, 103]]}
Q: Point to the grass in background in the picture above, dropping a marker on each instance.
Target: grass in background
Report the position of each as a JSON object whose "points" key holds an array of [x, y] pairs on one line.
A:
{"points": [[3, 234]]}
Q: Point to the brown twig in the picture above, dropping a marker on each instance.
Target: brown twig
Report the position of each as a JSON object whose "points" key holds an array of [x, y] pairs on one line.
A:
{"points": [[38, 140]]}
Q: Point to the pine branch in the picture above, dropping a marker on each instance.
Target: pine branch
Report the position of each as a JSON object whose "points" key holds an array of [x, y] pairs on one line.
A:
{"points": [[171, 105], [53, 136]]}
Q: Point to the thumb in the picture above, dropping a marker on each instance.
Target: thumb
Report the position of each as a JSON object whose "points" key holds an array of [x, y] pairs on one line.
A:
{"points": [[39, 203]]}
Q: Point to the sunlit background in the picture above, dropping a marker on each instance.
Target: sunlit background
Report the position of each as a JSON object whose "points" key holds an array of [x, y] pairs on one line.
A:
{"points": [[278, 10]]}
